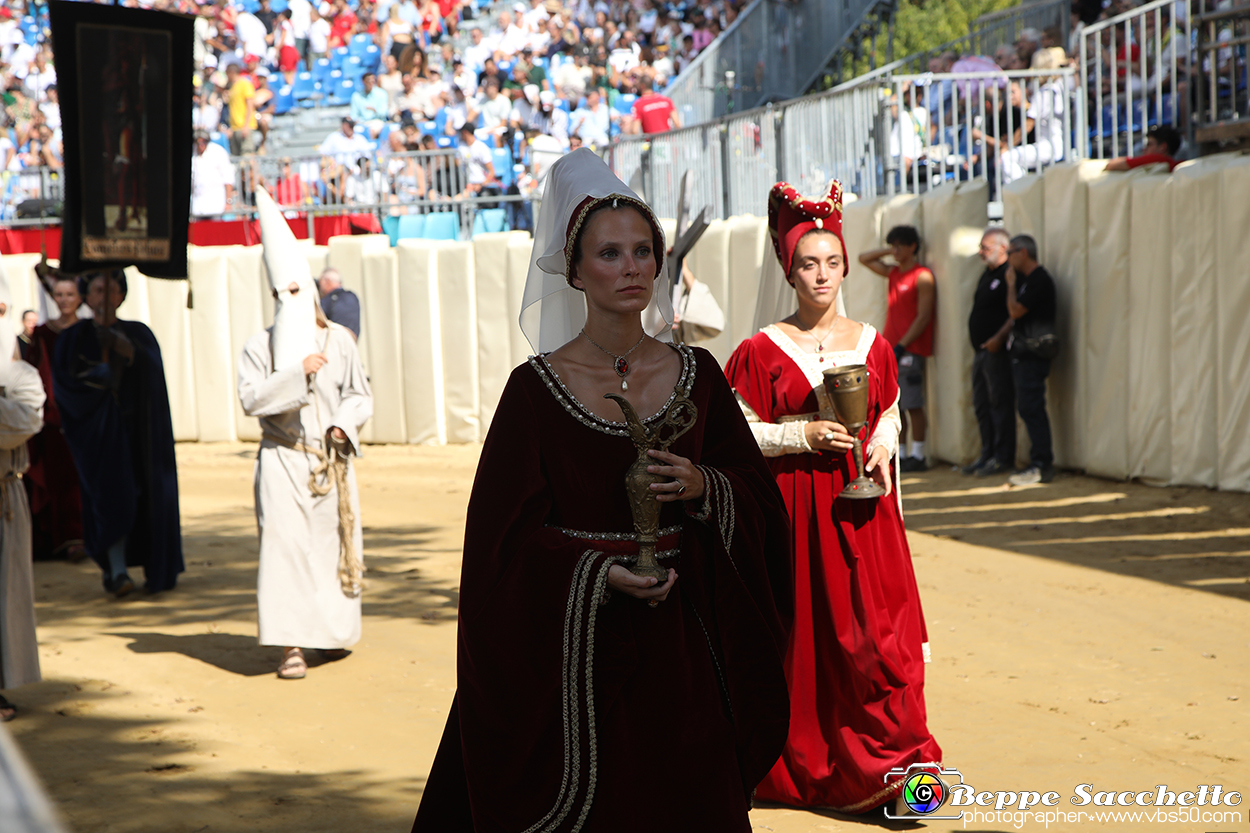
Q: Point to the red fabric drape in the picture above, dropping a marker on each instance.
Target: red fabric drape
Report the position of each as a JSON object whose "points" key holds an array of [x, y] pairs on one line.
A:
{"points": [[855, 663], [205, 233]]}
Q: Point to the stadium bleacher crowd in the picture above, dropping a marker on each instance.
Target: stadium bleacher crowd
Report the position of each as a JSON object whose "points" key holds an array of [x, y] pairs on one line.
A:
{"points": [[440, 100], [530, 80]]}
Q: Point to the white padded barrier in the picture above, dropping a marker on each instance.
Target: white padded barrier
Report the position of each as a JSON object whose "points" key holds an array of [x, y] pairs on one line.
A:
{"points": [[520, 246], [864, 294], [1064, 248], [210, 350], [955, 217], [251, 310], [1106, 358], [1195, 344], [1149, 434], [422, 343], [1233, 327], [457, 296], [379, 304], [709, 261], [494, 336], [1024, 206], [748, 243]]}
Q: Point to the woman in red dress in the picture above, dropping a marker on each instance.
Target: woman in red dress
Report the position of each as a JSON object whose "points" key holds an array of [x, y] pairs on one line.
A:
{"points": [[52, 480], [855, 663], [590, 698]]}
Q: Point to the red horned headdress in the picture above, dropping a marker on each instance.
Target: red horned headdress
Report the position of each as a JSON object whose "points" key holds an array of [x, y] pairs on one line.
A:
{"points": [[791, 215]]}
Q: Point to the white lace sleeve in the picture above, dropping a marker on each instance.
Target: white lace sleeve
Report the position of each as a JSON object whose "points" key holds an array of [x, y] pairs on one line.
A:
{"points": [[776, 439], [888, 429]]}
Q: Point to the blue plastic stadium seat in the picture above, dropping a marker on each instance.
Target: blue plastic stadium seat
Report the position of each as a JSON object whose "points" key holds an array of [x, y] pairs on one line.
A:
{"points": [[442, 225], [338, 55], [220, 139], [340, 93], [625, 104], [440, 121], [410, 226], [305, 85], [372, 58], [444, 142], [429, 128], [353, 67], [283, 100], [358, 44], [390, 226], [322, 68], [490, 219]]}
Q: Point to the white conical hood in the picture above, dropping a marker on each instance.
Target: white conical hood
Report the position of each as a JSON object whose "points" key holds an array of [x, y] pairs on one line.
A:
{"points": [[295, 315], [8, 331]]}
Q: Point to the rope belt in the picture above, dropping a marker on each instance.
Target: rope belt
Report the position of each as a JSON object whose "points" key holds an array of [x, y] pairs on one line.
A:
{"points": [[5, 484], [331, 470]]}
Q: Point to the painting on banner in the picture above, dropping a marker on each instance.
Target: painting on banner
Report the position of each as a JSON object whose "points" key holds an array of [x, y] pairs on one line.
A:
{"points": [[124, 76]]}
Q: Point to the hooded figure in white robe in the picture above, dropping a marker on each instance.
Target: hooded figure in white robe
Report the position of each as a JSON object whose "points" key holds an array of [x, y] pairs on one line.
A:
{"points": [[21, 417], [303, 378]]}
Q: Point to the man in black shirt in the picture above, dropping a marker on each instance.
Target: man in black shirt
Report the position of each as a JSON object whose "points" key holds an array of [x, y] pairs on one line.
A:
{"points": [[340, 305], [993, 391], [1031, 303]]}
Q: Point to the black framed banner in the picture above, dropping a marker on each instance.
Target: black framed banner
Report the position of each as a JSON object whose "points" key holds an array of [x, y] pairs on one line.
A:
{"points": [[125, 84]]}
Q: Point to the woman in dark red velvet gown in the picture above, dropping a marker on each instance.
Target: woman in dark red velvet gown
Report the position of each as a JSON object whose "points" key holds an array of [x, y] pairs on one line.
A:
{"points": [[52, 480], [857, 650], [589, 698]]}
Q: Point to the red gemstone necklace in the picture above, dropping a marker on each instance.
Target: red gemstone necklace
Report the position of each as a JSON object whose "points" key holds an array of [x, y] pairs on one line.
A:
{"points": [[619, 364]]}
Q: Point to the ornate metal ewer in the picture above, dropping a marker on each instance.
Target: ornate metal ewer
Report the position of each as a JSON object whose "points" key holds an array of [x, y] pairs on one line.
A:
{"points": [[680, 414], [848, 389]]}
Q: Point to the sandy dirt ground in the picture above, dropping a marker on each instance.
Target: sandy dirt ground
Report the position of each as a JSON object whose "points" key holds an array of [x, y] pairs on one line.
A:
{"points": [[1083, 632]]}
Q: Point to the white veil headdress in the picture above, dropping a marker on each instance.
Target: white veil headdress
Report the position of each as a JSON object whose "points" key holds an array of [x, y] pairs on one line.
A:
{"points": [[552, 311], [294, 316]]}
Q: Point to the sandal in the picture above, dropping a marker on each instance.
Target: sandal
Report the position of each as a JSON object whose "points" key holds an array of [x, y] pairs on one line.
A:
{"points": [[294, 666], [8, 711]]}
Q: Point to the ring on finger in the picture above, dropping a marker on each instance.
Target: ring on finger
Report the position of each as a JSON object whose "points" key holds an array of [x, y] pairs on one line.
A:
{"points": [[653, 603], [681, 491], [828, 436]]}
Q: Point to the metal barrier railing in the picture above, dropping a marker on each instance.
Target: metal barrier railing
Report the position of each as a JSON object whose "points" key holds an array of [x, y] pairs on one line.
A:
{"points": [[29, 192], [385, 185], [877, 137], [989, 32], [773, 51], [1136, 68], [1223, 98]]}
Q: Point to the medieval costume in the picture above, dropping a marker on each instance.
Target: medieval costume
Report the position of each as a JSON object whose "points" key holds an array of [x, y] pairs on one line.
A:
{"points": [[115, 414], [21, 407], [307, 505], [579, 707], [857, 649], [52, 480]]}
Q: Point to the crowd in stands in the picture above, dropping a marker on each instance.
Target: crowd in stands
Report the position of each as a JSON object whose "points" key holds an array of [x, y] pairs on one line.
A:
{"points": [[1019, 126], [30, 122], [508, 89]]}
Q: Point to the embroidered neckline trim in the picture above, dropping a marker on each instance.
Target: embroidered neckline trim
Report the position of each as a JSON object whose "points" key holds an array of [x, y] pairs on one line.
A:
{"points": [[806, 362], [575, 408]]}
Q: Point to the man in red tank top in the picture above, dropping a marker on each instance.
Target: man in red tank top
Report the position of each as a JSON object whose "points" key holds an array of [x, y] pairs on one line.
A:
{"points": [[908, 327]]}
